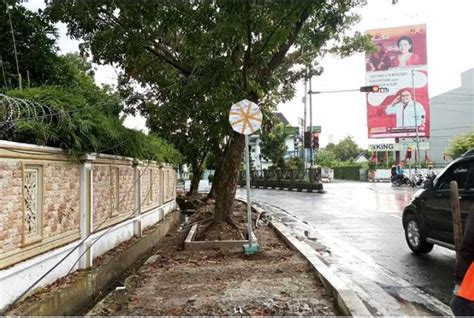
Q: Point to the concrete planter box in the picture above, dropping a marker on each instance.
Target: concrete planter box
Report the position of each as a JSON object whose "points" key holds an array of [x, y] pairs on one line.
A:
{"points": [[191, 245]]}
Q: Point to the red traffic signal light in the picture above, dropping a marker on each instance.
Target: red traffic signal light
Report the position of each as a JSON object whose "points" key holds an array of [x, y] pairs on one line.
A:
{"points": [[370, 89], [315, 140]]}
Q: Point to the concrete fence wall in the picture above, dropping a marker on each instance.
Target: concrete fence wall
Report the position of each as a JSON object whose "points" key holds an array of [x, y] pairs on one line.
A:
{"points": [[51, 202]]}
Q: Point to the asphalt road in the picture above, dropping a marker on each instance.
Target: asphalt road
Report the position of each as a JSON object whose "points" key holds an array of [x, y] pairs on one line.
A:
{"points": [[360, 224]]}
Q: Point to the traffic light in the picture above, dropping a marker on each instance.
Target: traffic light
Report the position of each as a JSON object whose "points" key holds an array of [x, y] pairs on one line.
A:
{"points": [[370, 89], [316, 140], [296, 142], [408, 154], [307, 139]]}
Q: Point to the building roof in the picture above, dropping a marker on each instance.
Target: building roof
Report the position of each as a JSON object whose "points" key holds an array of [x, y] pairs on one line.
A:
{"points": [[282, 119]]}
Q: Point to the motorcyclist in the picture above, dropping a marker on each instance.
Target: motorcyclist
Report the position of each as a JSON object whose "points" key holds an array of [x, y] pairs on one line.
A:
{"points": [[400, 173], [417, 176], [430, 174], [393, 173]]}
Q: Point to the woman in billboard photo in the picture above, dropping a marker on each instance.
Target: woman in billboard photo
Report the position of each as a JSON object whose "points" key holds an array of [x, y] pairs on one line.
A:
{"points": [[406, 57]]}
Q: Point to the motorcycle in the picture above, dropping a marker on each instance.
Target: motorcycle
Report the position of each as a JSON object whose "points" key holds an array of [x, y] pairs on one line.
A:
{"points": [[398, 181]]}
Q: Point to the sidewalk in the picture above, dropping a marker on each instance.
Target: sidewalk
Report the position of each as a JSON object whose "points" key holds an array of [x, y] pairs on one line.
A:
{"points": [[277, 281]]}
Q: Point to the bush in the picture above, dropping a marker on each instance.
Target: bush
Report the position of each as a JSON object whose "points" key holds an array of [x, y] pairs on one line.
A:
{"points": [[347, 172], [76, 125]]}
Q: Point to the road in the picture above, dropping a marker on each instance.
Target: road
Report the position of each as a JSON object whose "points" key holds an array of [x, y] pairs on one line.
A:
{"points": [[360, 224]]}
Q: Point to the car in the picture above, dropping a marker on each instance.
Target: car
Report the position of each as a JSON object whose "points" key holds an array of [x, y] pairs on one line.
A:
{"points": [[427, 219]]}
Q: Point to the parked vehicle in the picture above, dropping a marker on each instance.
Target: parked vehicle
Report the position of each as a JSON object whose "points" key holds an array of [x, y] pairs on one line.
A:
{"points": [[427, 219]]}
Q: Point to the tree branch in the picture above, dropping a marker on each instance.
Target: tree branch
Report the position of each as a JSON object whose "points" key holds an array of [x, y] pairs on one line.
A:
{"points": [[279, 56], [183, 68]]}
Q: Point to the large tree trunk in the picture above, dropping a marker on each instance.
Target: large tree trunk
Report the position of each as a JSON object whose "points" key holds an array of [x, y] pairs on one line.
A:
{"points": [[225, 185]]}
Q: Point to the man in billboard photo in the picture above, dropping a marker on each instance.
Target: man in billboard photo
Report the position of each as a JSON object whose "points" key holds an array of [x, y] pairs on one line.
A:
{"points": [[404, 108], [406, 57]]}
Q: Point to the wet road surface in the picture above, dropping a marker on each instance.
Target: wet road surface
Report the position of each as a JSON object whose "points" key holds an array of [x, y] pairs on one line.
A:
{"points": [[360, 224]]}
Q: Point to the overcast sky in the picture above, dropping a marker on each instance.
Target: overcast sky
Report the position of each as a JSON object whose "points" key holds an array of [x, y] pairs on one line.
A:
{"points": [[450, 52]]}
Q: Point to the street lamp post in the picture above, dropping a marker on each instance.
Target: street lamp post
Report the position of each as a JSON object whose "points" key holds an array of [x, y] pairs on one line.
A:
{"points": [[416, 116]]}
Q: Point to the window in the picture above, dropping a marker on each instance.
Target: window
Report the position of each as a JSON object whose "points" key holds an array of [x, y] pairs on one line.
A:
{"points": [[458, 173]]}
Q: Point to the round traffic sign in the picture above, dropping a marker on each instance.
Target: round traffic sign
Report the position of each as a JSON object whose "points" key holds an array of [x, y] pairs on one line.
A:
{"points": [[245, 117]]}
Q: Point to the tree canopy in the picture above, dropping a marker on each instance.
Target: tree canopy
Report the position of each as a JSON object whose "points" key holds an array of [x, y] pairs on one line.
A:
{"points": [[460, 144], [273, 146], [35, 39], [207, 55]]}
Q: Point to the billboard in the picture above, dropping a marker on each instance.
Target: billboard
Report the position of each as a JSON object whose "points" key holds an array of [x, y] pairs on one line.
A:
{"points": [[400, 65]]}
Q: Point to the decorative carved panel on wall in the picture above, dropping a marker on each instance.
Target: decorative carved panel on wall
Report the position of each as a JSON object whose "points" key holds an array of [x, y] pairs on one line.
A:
{"points": [[32, 203]]}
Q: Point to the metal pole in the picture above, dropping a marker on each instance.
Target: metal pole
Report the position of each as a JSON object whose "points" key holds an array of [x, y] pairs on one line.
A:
{"points": [[14, 48], [247, 177], [304, 119], [311, 122], [416, 116]]}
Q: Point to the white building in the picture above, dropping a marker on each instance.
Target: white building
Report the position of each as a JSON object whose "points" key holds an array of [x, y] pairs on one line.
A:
{"points": [[259, 162], [452, 113]]}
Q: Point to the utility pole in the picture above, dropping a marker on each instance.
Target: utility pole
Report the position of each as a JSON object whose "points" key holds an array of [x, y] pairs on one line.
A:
{"points": [[304, 118], [14, 48], [416, 116], [311, 122]]}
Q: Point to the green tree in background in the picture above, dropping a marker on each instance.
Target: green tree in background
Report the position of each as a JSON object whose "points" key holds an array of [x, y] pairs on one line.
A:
{"points": [[345, 149], [460, 144], [273, 146], [35, 39], [326, 158]]}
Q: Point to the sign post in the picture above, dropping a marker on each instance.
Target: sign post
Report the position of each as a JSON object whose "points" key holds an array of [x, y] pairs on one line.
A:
{"points": [[246, 118]]}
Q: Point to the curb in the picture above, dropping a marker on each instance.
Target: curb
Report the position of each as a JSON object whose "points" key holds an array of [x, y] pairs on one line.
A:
{"points": [[347, 300]]}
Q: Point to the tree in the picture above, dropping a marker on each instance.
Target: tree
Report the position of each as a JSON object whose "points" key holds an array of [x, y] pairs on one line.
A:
{"points": [[460, 144], [218, 52], [346, 149], [35, 46], [326, 158], [273, 146]]}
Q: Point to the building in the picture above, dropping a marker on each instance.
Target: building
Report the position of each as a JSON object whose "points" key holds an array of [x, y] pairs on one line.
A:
{"points": [[452, 113], [259, 162]]}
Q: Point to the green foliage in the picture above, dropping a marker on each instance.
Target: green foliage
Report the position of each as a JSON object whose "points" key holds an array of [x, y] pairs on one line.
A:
{"points": [[294, 163], [273, 146], [35, 44], [460, 144], [346, 149], [347, 172], [210, 178], [80, 128], [197, 58], [326, 158]]}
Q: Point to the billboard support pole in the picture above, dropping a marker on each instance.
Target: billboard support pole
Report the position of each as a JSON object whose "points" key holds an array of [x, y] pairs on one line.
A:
{"points": [[416, 117]]}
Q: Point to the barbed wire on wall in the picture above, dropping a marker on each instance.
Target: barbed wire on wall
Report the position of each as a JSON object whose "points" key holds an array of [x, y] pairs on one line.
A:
{"points": [[14, 110]]}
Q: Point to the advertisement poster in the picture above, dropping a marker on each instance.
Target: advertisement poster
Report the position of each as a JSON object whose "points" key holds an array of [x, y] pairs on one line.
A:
{"points": [[400, 66]]}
